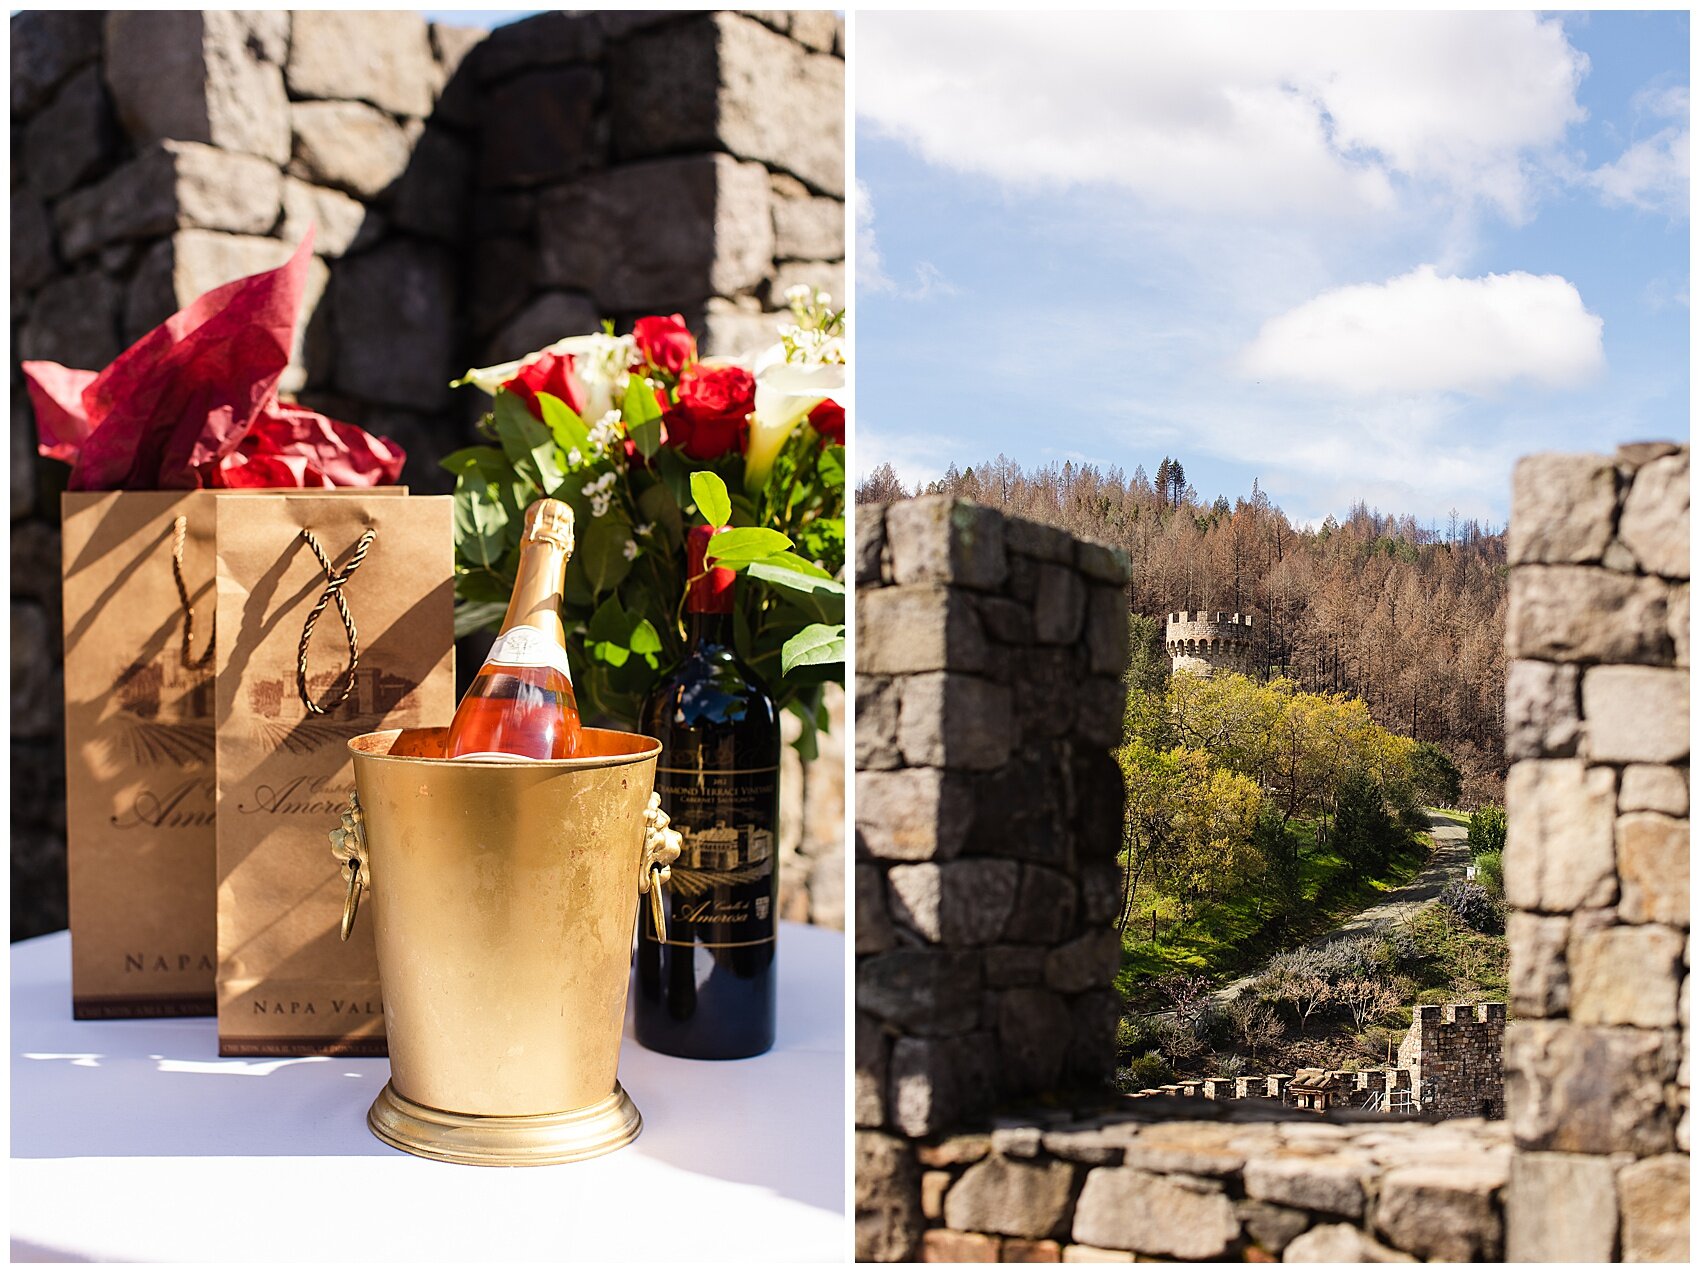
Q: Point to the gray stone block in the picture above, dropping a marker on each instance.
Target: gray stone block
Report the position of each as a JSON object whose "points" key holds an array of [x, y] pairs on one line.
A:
{"points": [[1059, 607], [1540, 975], [806, 227], [202, 75], [1589, 1089], [1023, 1200], [1106, 630], [546, 318], [817, 276], [963, 903], [73, 139], [1652, 868], [1444, 1211], [545, 127], [939, 539], [1035, 539], [639, 236], [878, 700], [74, 320], [1636, 714], [912, 815], [34, 708], [1341, 1244], [1562, 508], [1089, 962], [873, 1051], [1586, 614], [348, 145], [1033, 1029], [1654, 522], [392, 311], [1007, 966], [338, 219], [1331, 1184], [33, 258], [873, 920], [1127, 1209], [888, 1214], [433, 194], [379, 56], [1653, 1206], [928, 993], [1542, 710], [918, 629], [1560, 1208], [1653, 788], [925, 1094], [955, 722], [47, 45], [1102, 563], [1558, 848], [1627, 974], [1044, 907], [870, 543]]}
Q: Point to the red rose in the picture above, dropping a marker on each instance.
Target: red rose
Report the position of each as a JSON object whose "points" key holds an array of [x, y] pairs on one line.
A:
{"points": [[665, 343], [548, 373], [712, 412], [828, 421]]}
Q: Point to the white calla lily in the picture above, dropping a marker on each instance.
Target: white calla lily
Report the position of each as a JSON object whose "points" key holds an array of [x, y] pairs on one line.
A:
{"points": [[600, 361], [785, 394]]}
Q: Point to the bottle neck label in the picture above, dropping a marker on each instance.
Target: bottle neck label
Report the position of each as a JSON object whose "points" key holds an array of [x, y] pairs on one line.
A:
{"points": [[526, 646]]}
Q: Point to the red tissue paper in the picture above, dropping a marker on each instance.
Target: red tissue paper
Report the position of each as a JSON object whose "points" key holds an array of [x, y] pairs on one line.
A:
{"points": [[194, 403]]}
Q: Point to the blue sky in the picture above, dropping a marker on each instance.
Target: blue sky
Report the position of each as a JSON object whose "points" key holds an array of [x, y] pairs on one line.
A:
{"points": [[1354, 256]]}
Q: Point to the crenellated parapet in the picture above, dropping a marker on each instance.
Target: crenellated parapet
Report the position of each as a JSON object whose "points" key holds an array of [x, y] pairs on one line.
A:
{"points": [[1206, 641]]}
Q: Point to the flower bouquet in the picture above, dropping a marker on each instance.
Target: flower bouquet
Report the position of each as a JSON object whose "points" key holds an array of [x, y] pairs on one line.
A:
{"points": [[644, 438]]}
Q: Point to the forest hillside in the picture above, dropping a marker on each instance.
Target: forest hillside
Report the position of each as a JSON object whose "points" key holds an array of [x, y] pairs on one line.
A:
{"points": [[1408, 618]]}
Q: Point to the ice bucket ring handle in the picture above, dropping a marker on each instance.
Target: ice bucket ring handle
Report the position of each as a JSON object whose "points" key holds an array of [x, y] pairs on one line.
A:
{"points": [[661, 845]]}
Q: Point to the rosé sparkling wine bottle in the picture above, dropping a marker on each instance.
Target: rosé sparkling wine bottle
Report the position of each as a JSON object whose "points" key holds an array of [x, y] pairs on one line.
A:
{"points": [[521, 705]]}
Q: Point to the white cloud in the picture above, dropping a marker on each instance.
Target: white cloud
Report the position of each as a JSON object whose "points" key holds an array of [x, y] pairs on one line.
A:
{"points": [[1652, 174], [870, 270], [1233, 113], [1426, 333]]}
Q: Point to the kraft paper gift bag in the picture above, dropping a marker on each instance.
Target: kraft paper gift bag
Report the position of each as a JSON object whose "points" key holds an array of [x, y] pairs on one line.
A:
{"points": [[139, 784], [314, 650]]}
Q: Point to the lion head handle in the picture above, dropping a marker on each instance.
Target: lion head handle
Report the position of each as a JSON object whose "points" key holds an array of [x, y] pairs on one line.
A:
{"points": [[661, 846]]}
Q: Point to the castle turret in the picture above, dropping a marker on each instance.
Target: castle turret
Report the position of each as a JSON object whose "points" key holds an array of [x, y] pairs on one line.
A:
{"points": [[1203, 642]]}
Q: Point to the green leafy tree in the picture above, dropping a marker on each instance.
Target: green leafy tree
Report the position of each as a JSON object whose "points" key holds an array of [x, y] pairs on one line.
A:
{"points": [[1435, 780], [1487, 830]]}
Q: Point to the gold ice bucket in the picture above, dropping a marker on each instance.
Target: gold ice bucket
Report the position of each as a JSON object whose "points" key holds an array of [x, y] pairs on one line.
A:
{"points": [[502, 898]]}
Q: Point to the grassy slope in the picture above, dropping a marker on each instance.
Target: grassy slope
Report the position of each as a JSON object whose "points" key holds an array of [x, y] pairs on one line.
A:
{"points": [[1233, 936]]}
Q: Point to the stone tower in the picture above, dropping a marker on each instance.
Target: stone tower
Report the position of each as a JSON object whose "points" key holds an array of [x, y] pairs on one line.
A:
{"points": [[1203, 642]]}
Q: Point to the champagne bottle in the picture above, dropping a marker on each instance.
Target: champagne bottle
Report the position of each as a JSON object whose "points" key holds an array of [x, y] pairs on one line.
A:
{"points": [[707, 989], [521, 704]]}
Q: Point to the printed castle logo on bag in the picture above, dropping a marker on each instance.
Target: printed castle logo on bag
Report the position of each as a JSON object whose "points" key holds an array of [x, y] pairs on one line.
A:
{"points": [[144, 692]]}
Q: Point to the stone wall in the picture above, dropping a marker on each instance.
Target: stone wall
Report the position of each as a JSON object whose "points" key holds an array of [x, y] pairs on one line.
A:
{"points": [[1596, 863], [475, 196]]}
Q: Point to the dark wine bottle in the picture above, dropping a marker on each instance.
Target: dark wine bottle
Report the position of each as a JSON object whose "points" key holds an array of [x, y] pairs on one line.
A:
{"points": [[707, 990]]}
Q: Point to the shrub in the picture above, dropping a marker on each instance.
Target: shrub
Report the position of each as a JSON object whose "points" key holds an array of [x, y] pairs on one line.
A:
{"points": [[1141, 1072], [1490, 874], [1434, 777], [1487, 830], [1473, 906]]}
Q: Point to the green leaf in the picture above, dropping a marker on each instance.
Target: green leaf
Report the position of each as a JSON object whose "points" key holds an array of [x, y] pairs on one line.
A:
{"points": [[565, 425], [645, 639], [736, 549], [658, 506], [478, 616], [713, 502], [604, 553], [642, 415], [609, 623], [820, 595], [483, 507], [528, 443], [816, 644]]}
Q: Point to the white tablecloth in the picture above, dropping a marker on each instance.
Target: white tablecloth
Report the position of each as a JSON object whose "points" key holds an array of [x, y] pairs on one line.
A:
{"points": [[133, 1140]]}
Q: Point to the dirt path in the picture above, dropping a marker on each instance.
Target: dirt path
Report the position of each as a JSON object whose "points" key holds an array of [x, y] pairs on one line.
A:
{"points": [[1451, 855]]}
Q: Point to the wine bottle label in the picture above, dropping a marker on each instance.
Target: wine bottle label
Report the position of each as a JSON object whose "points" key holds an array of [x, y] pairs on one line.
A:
{"points": [[526, 646], [722, 889]]}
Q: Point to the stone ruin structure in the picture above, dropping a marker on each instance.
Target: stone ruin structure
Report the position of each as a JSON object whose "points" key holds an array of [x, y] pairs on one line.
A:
{"points": [[1202, 641], [986, 821], [477, 195], [1449, 1067]]}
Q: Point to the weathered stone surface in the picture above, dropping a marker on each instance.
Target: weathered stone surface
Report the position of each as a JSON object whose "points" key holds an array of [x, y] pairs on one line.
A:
{"points": [[1133, 1210], [1626, 975], [549, 129], [1190, 1148], [945, 1246], [1652, 866], [737, 328], [926, 1092], [172, 185], [933, 1185], [431, 198], [805, 227], [873, 922], [955, 1151], [1102, 563], [938, 539], [1676, 623], [1341, 1244], [961, 903], [1558, 848], [1106, 630], [637, 235], [73, 138], [1059, 610], [888, 1218], [1445, 1212], [1636, 714], [202, 75], [997, 1195], [391, 310], [1560, 1208], [1540, 976], [924, 992], [547, 318], [1589, 1089], [1086, 963], [47, 45], [33, 260], [878, 700], [908, 815], [339, 219], [348, 145], [1033, 1029], [1080, 1253], [1543, 714], [1562, 508], [33, 708], [1654, 788], [73, 320], [1044, 908], [1584, 614], [379, 56], [1654, 521], [1331, 1184], [955, 722], [918, 629], [873, 1057], [1035, 539], [1269, 1225], [817, 276], [1653, 1202], [870, 542]]}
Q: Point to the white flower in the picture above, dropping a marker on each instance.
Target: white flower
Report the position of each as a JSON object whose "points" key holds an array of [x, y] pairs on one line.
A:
{"points": [[600, 362], [599, 505], [797, 294], [575, 458], [590, 488], [643, 528], [629, 551], [788, 387]]}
